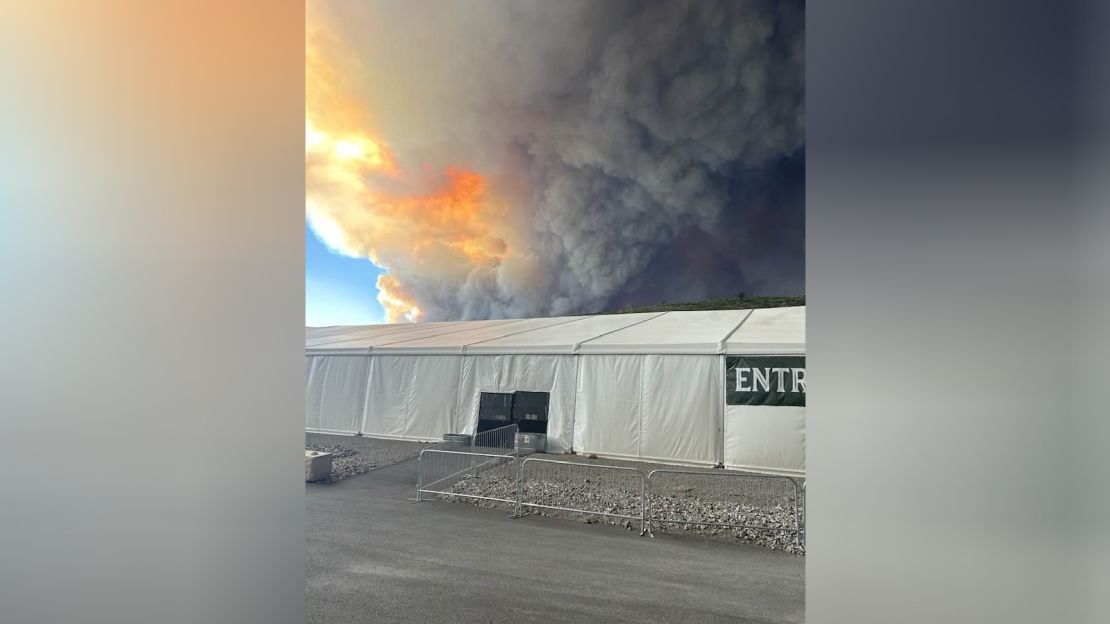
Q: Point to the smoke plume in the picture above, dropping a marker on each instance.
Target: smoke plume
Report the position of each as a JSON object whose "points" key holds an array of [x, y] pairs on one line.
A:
{"points": [[508, 159]]}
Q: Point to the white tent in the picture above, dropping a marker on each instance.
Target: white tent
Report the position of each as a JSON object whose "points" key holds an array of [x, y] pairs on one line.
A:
{"points": [[702, 388]]}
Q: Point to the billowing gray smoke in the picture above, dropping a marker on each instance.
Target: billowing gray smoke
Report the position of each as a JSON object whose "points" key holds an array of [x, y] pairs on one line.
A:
{"points": [[631, 140]]}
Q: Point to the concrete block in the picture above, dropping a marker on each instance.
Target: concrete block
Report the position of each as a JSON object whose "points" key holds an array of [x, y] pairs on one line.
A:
{"points": [[317, 466]]}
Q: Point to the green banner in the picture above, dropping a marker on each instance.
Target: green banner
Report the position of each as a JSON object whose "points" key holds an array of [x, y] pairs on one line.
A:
{"points": [[765, 380]]}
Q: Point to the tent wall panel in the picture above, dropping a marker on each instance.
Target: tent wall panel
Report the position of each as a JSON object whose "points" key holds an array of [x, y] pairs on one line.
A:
{"points": [[765, 438], [680, 408], [554, 374], [313, 387], [655, 407], [607, 416], [387, 396], [410, 397], [335, 388], [430, 403]]}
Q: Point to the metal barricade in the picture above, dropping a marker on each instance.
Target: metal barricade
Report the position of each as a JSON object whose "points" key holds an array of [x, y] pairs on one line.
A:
{"points": [[445, 473], [802, 517], [724, 499], [501, 437], [591, 489], [732, 500]]}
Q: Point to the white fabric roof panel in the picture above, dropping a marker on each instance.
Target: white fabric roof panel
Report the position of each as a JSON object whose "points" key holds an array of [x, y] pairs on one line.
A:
{"points": [[474, 332], [317, 332], [382, 335], [351, 341], [559, 339], [356, 333], [694, 332], [771, 330], [315, 337]]}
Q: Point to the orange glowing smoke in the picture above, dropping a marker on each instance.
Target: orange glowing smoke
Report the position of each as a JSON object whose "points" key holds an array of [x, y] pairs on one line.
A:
{"points": [[398, 306], [360, 200]]}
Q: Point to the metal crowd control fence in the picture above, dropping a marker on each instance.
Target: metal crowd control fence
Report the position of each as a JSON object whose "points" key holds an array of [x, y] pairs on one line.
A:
{"points": [[440, 471], [719, 499], [735, 500], [805, 505], [591, 489], [501, 437]]}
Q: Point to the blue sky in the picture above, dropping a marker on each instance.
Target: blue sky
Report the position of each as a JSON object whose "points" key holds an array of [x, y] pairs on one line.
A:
{"points": [[339, 290]]}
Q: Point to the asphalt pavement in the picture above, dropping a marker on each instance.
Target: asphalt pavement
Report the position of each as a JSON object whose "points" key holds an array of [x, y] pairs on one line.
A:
{"points": [[373, 556]]}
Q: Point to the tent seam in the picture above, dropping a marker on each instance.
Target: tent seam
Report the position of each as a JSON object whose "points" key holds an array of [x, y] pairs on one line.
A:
{"points": [[323, 384], [580, 343], [640, 414], [452, 331], [722, 346], [366, 394], [523, 331], [363, 335], [458, 396], [574, 408], [722, 372]]}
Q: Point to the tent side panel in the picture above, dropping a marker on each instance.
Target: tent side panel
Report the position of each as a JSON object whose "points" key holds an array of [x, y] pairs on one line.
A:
{"points": [[466, 406], [765, 438], [313, 389], [336, 387], [607, 420], [560, 417], [680, 408], [430, 403], [387, 396]]}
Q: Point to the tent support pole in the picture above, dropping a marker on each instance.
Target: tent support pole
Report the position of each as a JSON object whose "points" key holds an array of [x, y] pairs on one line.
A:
{"points": [[574, 408], [721, 418]]}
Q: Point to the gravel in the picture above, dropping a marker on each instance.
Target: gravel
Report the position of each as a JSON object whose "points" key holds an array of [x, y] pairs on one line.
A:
{"points": [[759, 504], [355, 455], [345, 462]]}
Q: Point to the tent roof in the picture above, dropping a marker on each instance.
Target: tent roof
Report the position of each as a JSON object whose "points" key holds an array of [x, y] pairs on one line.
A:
{"points": [[769, 330], [366, 335], [563, 338], [471, 333], [317, 332], [372, 336], [671, 332]]}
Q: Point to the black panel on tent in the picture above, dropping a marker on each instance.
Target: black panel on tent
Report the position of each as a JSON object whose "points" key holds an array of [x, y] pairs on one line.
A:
{"points": [[495, 409], [527, 409], [530, 411]]}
